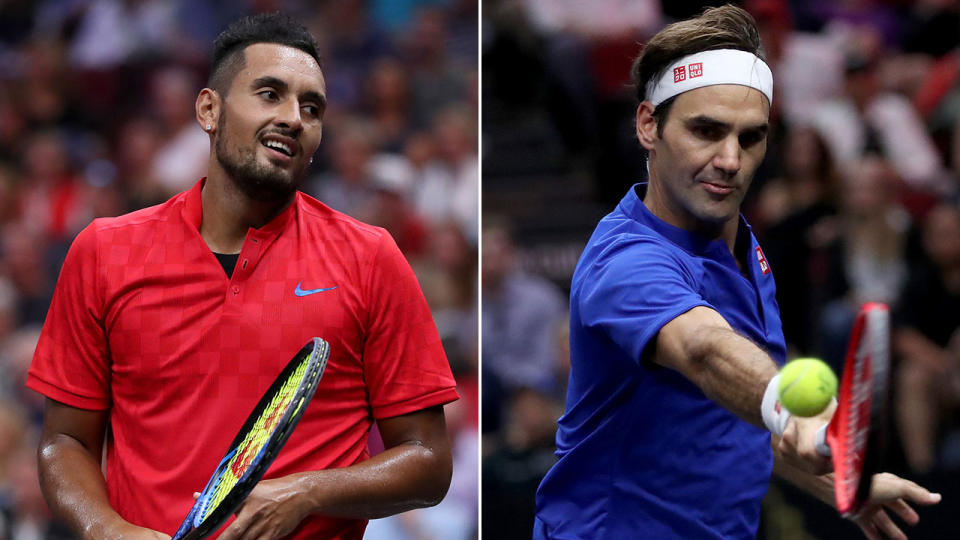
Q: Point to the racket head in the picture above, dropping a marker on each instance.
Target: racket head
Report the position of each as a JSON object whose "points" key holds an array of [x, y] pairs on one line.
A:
{"points": [[257, 443], [857, 432]]}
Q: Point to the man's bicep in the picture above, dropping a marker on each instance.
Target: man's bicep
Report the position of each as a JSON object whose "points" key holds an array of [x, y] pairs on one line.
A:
{"points": [[405, 367], [420, 446], [426, 427], [71, 361], [85, 426], [633, 292]]}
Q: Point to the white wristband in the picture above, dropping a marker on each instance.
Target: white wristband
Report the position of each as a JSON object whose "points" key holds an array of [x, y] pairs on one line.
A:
{"points": [[775, 416]]}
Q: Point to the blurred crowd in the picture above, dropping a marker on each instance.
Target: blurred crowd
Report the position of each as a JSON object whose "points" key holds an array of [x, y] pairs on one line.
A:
{"points": [[97, 119], [858, 200]]}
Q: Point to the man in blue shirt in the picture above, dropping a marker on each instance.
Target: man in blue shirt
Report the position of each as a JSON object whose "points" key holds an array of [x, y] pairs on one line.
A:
{"points": [[675, 332]]}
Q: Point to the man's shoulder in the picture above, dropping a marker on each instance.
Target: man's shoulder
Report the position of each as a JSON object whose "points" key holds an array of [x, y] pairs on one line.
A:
{"points": [[329, 222], [144, 219], [617, 234], [624, 250]]}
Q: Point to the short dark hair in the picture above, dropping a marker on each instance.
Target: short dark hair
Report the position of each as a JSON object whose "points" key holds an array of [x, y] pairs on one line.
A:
{"points": [[228, 48], [725, 27]]}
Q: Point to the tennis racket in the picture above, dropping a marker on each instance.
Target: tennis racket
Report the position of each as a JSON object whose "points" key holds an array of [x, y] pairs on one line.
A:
{"points": [[258, 442], [855, 436]]}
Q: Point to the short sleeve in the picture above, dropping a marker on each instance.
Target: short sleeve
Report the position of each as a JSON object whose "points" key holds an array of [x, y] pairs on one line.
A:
{"points": [[633, 289], [71, 363], [404, 364]]}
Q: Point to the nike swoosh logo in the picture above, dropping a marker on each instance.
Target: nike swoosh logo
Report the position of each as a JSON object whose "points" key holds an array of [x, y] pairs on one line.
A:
{"points": [[301, 292]]}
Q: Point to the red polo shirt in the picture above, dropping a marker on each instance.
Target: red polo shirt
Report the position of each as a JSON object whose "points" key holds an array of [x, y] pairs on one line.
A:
{"points": [[144, 322]]}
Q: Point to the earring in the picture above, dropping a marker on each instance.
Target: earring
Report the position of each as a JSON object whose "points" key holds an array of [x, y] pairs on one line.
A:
{"points": [[311, 161], [209, 127]]}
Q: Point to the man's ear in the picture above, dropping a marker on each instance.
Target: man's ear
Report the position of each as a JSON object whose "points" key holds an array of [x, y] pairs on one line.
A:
{"points": [[208, 109], [646, 125]]}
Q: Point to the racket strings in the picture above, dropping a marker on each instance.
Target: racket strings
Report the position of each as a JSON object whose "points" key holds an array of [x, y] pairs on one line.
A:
{"points": [[253, 442]]}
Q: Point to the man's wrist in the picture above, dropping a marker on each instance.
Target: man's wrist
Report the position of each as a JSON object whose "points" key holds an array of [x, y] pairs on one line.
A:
{"points": [[775, 416], [308, 491], [105, 527]]}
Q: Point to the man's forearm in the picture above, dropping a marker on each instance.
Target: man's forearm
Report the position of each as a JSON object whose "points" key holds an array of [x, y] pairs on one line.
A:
{"points": [[413, 472], [74, 487], [734, 372], [729, 368], [401, 478]]}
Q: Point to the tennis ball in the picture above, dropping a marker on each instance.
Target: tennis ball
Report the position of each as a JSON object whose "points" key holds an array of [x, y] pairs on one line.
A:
{"points": [[806, 386]]}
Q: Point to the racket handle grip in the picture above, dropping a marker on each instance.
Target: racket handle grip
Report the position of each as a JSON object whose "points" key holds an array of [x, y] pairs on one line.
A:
{"points": [[821, 442]]}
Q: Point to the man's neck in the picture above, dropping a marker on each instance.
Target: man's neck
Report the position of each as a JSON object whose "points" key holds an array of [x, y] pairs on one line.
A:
{"points": [[228, 213], [658, 204]]}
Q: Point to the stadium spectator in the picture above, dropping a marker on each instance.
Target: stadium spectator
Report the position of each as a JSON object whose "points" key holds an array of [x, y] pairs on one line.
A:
{"points": [[928, 341], [392, 180], [512, 470], [449, 188], [346, 185], [519, 314], [182, 158], [867, 257], [795, 213], [867, 118]]}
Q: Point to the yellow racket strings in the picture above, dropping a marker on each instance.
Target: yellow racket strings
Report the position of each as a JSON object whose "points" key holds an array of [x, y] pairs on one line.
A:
{"points": [[256, 438]]}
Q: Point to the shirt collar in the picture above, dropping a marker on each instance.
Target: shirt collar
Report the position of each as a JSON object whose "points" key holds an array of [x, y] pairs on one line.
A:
{"points": [[193, 212], [632, 205]]}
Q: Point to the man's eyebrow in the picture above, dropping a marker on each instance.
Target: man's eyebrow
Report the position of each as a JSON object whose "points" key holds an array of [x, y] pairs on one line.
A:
{"points": [[310, 95], [706, 121], [761, 129], [269, 81], [282, 86]]}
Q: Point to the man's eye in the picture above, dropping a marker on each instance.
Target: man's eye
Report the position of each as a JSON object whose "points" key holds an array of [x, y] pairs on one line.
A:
{"points": [[749, 139], [707, 132], [269, 95], [312, 110]]}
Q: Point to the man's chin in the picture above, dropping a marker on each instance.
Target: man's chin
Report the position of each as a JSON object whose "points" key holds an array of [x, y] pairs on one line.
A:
{"points": [[260, 178], [716, 217], [267, 184], [282, 172]]}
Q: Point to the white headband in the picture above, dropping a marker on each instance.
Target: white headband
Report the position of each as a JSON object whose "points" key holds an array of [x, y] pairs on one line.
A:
{"points": [[707, 68]]}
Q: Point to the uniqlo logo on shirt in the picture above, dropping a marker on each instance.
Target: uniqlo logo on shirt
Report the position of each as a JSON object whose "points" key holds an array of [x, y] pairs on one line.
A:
{"points": [[679, 74], [764, 267], [696, 69]]}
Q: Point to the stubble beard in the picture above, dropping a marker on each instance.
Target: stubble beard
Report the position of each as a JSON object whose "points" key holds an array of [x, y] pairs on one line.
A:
{"points": [[698, 210], [257, 181]]}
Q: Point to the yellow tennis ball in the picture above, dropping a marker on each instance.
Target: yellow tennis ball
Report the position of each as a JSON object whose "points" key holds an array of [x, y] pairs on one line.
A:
{"points": [[806, 386]]}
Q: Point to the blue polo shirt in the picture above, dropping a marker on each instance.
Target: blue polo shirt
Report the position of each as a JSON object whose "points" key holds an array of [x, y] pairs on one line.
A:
{"points": [[643, 453]]}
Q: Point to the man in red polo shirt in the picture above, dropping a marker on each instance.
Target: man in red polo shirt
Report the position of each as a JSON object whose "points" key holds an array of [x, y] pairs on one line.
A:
{"points": [[153, 341]]}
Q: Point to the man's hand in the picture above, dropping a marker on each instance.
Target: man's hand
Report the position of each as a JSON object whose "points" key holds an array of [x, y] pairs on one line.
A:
{"points": [[798, 444], [272, 510], [890, 492]]}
